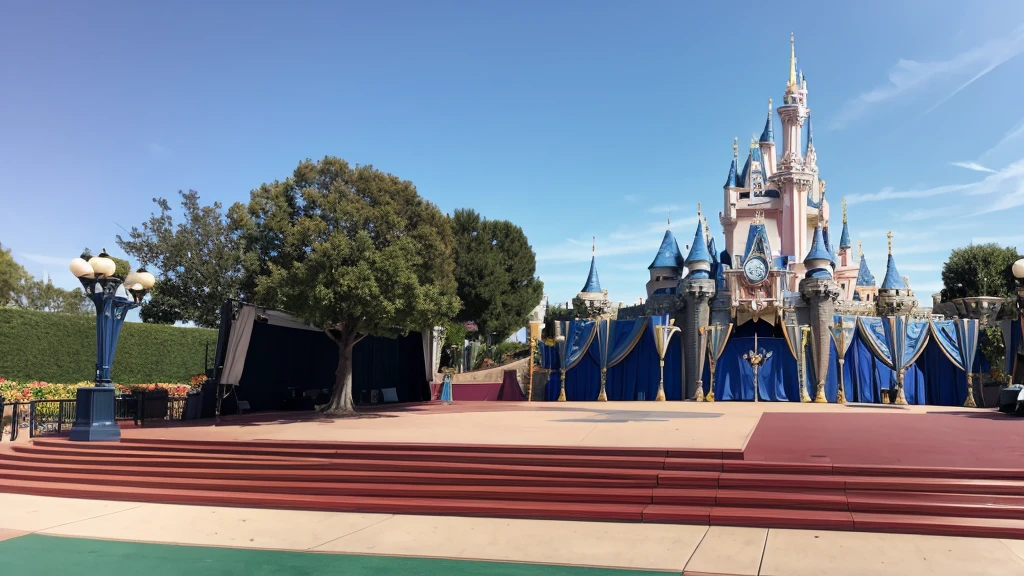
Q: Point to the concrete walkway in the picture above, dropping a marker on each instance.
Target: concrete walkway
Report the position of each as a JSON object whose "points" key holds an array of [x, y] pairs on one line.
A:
{"points": [[665, 548]]}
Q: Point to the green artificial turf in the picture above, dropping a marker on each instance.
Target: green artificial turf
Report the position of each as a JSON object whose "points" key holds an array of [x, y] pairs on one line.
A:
{"points": [[35, 554]]}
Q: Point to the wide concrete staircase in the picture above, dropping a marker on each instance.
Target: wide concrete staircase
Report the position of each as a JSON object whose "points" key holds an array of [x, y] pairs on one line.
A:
{"points": [[630, 485]]}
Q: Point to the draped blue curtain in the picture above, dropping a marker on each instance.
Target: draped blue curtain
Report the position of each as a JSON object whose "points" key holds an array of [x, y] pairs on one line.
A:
{"points": [[637, 375], [734, 378], [932, 379]]}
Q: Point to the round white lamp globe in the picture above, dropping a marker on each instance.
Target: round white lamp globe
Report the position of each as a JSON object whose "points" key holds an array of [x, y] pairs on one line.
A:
{"points": [[1018, 269]]}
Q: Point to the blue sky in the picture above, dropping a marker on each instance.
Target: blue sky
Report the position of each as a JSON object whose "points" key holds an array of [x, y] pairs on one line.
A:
{"points": [[571, 118]]}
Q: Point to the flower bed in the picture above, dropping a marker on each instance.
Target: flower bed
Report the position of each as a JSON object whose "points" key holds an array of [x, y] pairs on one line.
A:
{"points": [[12, 391]]}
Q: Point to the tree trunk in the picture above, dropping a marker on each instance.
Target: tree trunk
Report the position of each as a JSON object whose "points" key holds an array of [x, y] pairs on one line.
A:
{"points": [[341, 396]]}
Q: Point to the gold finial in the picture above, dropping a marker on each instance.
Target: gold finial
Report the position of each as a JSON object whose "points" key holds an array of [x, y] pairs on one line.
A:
{"points": [[769, 104], [698, 210], [753, 142], [844, 209], [860, 248], [889, 236], [821, 183], [668, 221], [735, 146], [792, 61], [593, 245]]}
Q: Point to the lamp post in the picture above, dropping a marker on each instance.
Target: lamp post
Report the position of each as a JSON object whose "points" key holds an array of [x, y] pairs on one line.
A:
{"points": [[1018, 274], [113, 297]]}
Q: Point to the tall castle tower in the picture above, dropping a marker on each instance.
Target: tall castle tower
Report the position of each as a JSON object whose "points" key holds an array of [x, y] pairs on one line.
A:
{"points": [[797, 177], [779, 187]]}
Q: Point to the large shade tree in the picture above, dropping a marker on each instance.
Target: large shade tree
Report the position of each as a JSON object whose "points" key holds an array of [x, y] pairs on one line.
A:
{"points": [[351, 250], [979, 270], [197, 260], [495, 269]]}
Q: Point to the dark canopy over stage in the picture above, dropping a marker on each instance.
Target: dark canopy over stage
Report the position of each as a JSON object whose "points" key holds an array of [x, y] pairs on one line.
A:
{"points": [[277, 363]]}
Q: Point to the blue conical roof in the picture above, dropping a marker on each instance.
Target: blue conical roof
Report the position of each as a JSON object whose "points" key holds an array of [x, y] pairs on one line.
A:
{"points": [[768, 134], [864, 275], [593, 283], [730, 180], [668, 255], [698, 253], [892, 280], [844, 238], [828, 245], [741, 178], [818, 249]]}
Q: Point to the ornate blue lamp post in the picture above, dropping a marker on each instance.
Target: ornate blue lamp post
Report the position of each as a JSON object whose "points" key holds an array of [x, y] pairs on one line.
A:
{"points": [[113, 297]]}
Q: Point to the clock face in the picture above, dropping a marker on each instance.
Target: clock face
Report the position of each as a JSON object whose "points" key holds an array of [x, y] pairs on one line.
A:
{"points": [[755, 270]]}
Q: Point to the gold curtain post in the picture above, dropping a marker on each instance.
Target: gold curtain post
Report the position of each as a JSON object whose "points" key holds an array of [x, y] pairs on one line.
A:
{"points": [[969, 403]]}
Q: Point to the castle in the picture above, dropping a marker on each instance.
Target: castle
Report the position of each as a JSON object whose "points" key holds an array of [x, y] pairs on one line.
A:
{"points": [[778, 265]]}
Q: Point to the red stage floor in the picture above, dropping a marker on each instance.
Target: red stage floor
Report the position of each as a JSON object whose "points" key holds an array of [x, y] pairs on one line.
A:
{"points": [[969, 439]]}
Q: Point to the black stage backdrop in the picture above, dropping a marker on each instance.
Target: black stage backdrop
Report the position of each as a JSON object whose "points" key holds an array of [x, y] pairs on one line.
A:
{"points": [[293, 369]]}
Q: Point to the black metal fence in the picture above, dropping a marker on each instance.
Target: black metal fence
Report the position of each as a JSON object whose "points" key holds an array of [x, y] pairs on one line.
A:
{"points": [[55, 417]]}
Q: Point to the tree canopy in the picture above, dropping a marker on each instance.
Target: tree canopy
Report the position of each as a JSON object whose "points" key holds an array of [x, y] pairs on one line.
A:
{"points": [[979, 270], [352, 250], [12, 278], [495, 269], [197, 261], [19, 289]]}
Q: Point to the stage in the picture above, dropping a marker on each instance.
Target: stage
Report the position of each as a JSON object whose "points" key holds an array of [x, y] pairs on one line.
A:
{"points": [[913, 469]]}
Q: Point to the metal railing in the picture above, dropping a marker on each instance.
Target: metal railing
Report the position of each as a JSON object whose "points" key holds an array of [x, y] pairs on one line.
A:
{"points": [[56, 417]]}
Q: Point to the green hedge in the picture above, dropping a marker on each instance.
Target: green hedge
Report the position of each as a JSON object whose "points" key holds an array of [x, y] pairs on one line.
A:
{"points": [[61, 348]]}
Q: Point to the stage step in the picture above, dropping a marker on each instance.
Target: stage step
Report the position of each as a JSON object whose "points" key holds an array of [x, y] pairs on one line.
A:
{"points": [[691, 453], [563, 483]]}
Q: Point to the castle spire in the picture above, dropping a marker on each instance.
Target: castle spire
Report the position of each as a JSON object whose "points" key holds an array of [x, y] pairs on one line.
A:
{"points": [[593, 282], [818, 260], [844, 239], [893, 280], [699, 259], [768, 134], [731, 179], [792, 61]]}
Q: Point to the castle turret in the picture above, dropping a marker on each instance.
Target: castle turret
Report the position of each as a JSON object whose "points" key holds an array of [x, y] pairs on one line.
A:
{"points": [[818, 291], [731, 179], [666, 272], [766, 143], [697, 291], [592, 296], [865, 290], [895, 298], [795, 178]]}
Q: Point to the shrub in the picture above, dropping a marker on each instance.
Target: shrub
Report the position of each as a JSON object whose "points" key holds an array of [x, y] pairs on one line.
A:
{"points": [[62, 348]]}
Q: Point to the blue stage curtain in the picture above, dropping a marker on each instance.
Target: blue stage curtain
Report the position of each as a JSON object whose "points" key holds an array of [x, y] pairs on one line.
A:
{"points": [[944, 383], [777, 378], [637, 375]]}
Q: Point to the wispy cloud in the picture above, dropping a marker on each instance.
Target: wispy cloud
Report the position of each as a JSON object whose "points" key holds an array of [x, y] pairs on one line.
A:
{"points": [[44, 259], [630, 199], [1011, 135], [1007, 182], [972, 166], [908, 76]]}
